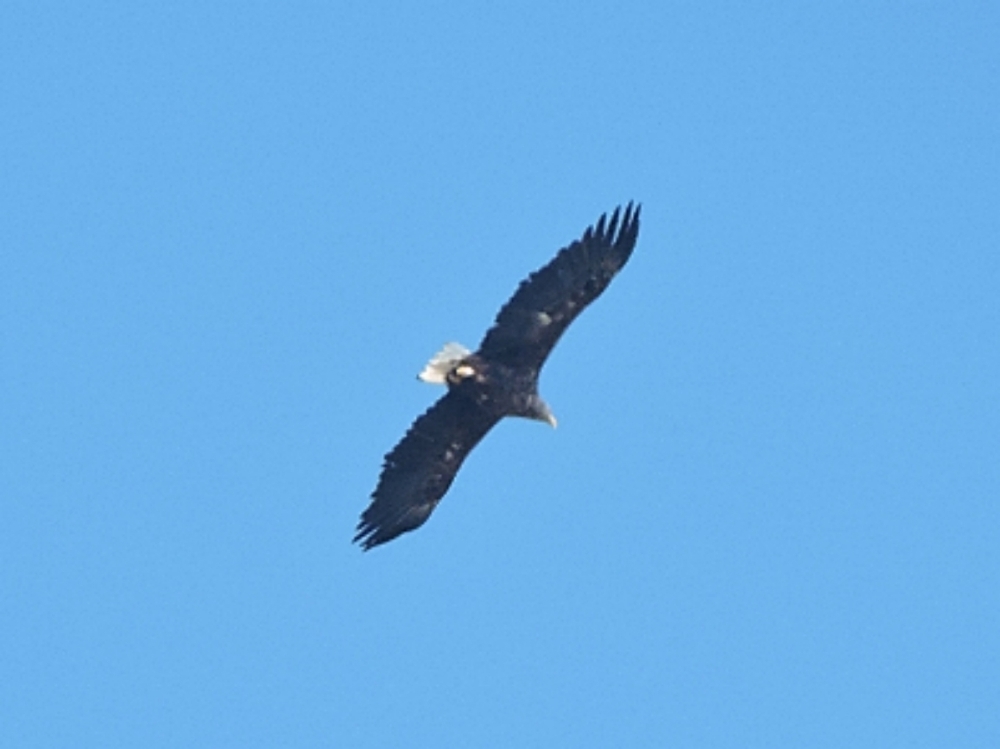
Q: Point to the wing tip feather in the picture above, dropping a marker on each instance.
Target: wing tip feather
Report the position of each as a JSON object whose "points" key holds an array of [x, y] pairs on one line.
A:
{"points": [[622, 226]]}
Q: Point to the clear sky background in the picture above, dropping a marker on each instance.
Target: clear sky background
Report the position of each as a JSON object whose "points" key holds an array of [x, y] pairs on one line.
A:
{"points": [[230, 236]]}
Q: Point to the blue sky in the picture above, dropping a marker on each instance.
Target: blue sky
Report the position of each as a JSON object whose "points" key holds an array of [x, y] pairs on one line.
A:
{"points": [[233, 233]]}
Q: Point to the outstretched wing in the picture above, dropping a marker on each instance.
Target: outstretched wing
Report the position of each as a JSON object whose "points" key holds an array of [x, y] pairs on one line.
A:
{"points": [[546, 302], [418, 471]]}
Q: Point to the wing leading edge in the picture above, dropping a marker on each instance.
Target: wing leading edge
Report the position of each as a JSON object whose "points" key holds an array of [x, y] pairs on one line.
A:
{"points": [[530, 324], [418, 471]]}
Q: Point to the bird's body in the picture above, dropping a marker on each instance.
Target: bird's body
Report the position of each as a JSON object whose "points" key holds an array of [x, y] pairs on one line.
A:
{"points": [[500, 379]]}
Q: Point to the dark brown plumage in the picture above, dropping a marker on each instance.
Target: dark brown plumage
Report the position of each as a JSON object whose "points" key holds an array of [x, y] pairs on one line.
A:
{"points": [[498, 380]]}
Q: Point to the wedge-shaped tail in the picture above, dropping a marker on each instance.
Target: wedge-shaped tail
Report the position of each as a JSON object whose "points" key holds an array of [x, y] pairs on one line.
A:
{"points": [[442, 362]]}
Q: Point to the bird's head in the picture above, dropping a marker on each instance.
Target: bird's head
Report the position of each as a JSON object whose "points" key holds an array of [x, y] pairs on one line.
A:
{"points": [[540, 411]]}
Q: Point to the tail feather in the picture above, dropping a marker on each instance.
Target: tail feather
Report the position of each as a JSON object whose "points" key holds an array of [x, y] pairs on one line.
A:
{"points": [[442, 362]]}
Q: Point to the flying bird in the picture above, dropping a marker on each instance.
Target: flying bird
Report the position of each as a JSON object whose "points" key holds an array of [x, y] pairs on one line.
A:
{"points": [[498, 380]]}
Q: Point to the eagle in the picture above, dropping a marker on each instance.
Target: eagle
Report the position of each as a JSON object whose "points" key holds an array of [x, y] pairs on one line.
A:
{"points": [[500, 379]]}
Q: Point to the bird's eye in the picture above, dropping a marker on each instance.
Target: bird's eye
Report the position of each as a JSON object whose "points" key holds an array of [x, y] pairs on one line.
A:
{"points": [[464, 370]]}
